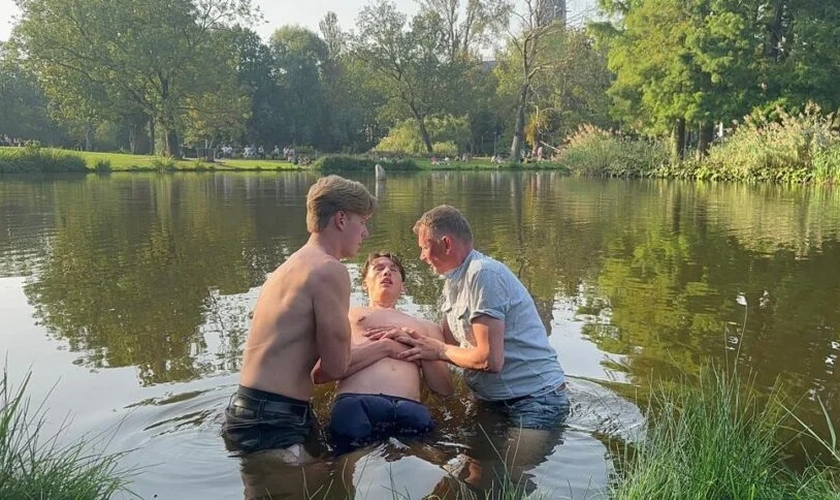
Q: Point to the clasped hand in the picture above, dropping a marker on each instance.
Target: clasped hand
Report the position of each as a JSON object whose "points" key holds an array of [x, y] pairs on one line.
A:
{"points": [[421, 347]]}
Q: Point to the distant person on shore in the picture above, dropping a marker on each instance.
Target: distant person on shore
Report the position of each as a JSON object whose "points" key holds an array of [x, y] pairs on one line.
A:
{"points": [[379, 395], [300, 318]]}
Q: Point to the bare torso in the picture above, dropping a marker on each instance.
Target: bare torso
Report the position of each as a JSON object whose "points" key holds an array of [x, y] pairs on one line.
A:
{"points": [[387, 376], [281, 349]]}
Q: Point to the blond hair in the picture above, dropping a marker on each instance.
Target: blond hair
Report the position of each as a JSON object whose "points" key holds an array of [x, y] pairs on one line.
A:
{"points": [[445, 220], [333, 194]]}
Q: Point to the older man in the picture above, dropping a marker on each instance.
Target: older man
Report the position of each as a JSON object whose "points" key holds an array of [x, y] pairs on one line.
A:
{"points": [[379, 394], [491, 327]]}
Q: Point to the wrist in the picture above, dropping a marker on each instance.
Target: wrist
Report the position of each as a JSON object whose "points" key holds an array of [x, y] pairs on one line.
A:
{"points": [[441, 351], [389, 347]]}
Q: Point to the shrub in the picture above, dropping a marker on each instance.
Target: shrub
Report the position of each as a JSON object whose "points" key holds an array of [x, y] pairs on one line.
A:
{"points": [[164, 164], [445, 148], [343, 163], [448, 134], [102, 166], [34, 159], [778, 147], [592, 151]]}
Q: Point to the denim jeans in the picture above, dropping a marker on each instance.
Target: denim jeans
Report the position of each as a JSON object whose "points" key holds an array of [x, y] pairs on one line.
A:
{"points": [[358, 419], [258, 420], [546, 411]]}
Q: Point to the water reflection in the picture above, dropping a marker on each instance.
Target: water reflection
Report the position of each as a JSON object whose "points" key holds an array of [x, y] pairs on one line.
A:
{"points": [[636, 280]]}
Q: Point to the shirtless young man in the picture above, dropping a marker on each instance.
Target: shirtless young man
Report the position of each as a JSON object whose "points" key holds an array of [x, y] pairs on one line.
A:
{"points": [[300, 317], [380, 395]]}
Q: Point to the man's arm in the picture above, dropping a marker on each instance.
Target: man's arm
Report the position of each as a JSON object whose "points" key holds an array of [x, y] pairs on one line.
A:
{"points": [[331, 303], [361, 357], [488, 300], [488, 354], [436, 373]]}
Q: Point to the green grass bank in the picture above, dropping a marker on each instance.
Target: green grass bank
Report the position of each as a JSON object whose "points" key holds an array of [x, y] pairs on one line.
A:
{"points": [[717, 437], [34, 465], [49, 160]]}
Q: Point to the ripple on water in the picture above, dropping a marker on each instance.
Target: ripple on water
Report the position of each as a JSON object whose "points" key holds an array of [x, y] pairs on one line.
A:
{"points": [[181, 432]]}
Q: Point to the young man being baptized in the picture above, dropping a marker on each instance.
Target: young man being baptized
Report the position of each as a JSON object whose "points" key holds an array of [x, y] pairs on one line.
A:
{"points": [[379, 395]]}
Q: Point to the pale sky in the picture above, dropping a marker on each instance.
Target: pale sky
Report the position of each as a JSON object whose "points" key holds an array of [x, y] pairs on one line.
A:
{"points": [[303, 12]]}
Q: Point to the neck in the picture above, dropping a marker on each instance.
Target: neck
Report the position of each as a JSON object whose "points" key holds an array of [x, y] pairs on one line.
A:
{"points": [[382, 303], [329, 245], [460, 255]]}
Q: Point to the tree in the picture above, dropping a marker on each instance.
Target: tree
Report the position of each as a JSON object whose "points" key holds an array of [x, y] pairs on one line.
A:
{"points": [[23, 104], [130, 50], [463, 38], [536, 23], [410, 62], [571, 94], [683, 66], [299, 56]]}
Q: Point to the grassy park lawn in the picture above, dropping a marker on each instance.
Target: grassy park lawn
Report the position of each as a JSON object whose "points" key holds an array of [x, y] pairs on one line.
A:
{"points": [[122, 162]]}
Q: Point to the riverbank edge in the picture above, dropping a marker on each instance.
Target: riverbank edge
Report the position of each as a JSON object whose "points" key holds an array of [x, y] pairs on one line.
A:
{"points": [[51, 160]]}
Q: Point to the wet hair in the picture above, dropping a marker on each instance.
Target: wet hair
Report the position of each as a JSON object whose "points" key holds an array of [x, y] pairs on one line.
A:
{"points": [[445, 220], [333, 194], [375, 255]]}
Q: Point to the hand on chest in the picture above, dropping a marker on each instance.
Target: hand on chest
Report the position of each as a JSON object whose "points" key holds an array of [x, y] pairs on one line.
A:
{"points": [[385, 318]]}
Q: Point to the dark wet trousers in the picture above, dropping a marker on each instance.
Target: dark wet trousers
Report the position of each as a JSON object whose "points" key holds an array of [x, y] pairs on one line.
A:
{"points": [[258, 420], [358, 419]]}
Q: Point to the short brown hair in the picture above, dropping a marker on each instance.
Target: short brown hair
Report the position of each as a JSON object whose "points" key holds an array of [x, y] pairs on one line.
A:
{"points": [[445, 220], [333, 194], [375, 255]]}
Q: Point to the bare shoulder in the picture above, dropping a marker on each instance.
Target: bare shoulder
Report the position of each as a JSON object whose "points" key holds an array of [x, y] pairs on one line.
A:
{"points": [[328, 272], [357, 313]]}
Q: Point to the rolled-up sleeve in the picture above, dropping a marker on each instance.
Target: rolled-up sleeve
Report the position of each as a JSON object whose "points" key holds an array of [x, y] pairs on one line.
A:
{"points": [[489, 295]]}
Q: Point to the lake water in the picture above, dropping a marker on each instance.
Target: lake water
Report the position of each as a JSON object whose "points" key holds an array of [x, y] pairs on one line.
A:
{"points": [[128, 298]]}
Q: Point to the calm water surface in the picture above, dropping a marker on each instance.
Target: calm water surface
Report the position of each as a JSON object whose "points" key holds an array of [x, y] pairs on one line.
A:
{"points": [[128, 298]]}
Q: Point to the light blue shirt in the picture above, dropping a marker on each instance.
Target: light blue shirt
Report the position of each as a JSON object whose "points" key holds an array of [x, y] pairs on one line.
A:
{"points": [[484, 286]]}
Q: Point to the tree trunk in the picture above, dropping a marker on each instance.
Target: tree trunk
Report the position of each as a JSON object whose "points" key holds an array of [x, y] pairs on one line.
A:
{"points": [[519, 127], [678, 140], [152, 149], [172, 148], [775, 30], [425, 134], [132, 139], [89, 136], [167, 121], [705, 134]]}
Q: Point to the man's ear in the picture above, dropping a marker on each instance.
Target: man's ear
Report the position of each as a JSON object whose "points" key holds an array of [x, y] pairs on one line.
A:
{"points": [[340, 219], [446, 241]]}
